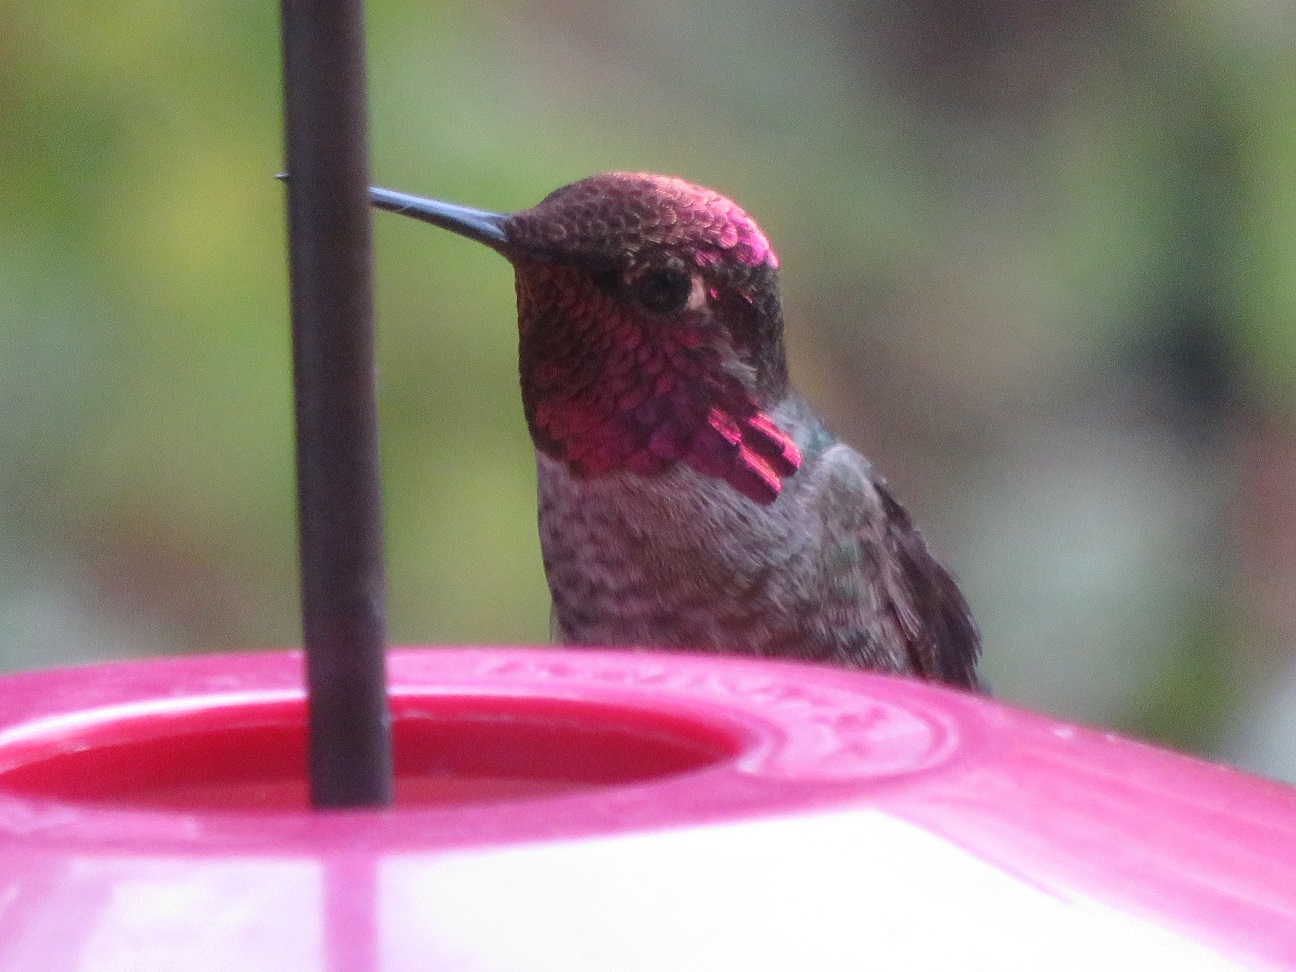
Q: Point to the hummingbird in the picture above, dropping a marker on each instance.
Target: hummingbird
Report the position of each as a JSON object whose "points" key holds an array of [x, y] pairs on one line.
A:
{"points": [[688, 497]]}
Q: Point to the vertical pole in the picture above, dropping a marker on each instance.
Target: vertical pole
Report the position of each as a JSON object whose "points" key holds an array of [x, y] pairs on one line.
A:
{"points": [[339, 500]]}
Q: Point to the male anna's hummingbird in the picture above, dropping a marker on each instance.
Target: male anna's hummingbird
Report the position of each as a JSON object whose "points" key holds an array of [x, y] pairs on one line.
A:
{"points": [[688, 497]]}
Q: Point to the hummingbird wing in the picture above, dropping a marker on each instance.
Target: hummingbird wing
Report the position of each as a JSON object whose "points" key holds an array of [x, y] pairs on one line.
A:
{"points": [[938, 628], [910, 608]]}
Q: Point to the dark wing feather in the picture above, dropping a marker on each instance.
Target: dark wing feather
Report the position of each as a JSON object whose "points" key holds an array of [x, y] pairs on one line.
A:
{"points": [[911, 615], [938, 629]]}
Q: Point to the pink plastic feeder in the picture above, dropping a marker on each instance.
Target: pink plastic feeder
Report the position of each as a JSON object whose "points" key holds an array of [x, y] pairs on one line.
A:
{"points": [[588, 810]]}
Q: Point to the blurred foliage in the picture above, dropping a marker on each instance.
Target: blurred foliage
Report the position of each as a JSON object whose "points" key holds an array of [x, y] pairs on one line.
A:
{"points": [[1039, 261]]}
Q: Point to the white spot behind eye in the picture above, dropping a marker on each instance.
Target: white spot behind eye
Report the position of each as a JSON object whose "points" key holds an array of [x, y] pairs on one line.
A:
{"points": [[697, 298]]}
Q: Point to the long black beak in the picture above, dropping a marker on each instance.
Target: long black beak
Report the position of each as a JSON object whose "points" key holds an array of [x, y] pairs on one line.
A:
{"points": [[476, 224]]}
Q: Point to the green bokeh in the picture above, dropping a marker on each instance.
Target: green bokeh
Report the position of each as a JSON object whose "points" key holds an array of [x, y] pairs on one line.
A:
{"points": [[953, 279]]}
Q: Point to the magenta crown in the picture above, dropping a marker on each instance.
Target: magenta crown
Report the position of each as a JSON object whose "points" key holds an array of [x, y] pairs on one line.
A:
{"points": [[634, 212]]}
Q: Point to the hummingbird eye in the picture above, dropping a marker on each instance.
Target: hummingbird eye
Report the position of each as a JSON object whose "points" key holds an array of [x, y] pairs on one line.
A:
{"points": [[664, 291]]}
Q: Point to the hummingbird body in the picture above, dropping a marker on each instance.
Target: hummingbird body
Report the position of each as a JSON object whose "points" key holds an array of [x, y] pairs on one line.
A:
{"points": [[688, 498]]}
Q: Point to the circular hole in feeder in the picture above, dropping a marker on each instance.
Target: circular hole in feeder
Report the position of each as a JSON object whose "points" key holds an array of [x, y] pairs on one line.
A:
{"points": [[447, 750]]}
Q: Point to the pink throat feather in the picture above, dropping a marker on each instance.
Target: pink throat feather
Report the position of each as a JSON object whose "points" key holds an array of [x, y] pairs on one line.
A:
{"points": [[602, 394], [748, 451]]}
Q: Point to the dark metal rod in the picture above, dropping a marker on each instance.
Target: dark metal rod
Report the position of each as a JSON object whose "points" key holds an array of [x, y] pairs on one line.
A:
{"points": [[330, 262]]}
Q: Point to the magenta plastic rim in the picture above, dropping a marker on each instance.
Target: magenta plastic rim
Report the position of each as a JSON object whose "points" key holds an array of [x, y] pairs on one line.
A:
{"points": [[201, 758], [490, 746]]}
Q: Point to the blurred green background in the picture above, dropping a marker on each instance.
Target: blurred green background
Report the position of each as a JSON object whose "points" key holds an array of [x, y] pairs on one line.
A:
{"points": [[1039, 261]]}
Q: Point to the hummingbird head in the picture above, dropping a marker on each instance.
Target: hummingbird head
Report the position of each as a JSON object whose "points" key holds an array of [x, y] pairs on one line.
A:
{"points": [[650, 327]]}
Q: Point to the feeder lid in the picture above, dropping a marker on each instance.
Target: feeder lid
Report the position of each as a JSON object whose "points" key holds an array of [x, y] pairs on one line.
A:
{"points": [[582, 810]]}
